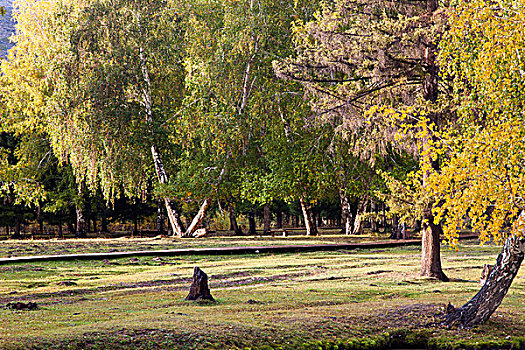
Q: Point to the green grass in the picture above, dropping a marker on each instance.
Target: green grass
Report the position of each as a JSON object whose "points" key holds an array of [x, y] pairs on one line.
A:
{"points": [[319, 300]]}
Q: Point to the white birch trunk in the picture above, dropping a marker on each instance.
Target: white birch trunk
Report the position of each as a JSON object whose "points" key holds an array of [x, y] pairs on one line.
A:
{"points": [[197, 220], [479, 309], [309, 220]]}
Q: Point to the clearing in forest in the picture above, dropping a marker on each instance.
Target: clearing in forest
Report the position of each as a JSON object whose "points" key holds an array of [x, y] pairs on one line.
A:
{"points": [[365, 298]]}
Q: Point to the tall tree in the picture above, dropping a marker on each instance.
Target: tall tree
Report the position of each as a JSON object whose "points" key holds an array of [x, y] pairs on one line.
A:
{"points": [[361, 54], [482, 179], [102, 77], [235, 102]]}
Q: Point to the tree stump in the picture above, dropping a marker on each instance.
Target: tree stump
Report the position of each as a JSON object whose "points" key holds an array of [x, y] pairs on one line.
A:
{"points": [[199, 289]]}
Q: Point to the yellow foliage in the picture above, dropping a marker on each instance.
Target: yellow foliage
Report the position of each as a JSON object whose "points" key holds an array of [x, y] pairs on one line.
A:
{"points": [[483, 178]]}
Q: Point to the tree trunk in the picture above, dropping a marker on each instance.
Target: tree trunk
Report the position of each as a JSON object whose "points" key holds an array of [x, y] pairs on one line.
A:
{"points": [[479, 309], [135, 227], [374, 227], [199, 289], [319, 220], [383, 219], [60, 232], [279, 219], [431, 232], [251, 222], [395, 227], [81, 228], [198, 219], [16, 233], [417, 226], [71, 227], [430, 249], [160, 218], [309, 219], [173, 215], [104, 222], [432, 5], [346, 213], [187, 221], [358, 221], [39, 219], [162, 176], [267, 218], [234, 226]]}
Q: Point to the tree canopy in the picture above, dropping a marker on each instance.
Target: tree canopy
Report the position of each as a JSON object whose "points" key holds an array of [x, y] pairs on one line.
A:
{"points": [[483, 176]]}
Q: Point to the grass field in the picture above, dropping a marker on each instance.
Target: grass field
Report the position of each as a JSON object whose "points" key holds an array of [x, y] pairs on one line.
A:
{"points": [[10, 248], [316, 300]]}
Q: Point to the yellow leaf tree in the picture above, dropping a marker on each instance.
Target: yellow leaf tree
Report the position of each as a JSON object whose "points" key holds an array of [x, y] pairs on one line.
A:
{"points": [[482, 181]]}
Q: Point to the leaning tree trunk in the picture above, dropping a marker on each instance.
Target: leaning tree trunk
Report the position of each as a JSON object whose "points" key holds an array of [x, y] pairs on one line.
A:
{"points": [[358, 221], [486, 301], [162, 176], [198, 219], [309, 219]]}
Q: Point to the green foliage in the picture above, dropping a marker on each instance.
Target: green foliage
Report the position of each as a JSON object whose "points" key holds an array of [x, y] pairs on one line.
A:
{"points": [[82, 84], [357, 60]]}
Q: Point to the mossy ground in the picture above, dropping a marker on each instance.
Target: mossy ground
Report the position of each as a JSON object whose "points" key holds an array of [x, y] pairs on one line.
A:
{"points": [[337, 300]]}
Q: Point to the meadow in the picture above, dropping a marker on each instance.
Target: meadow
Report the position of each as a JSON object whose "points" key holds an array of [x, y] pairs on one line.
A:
{"points": [[355, 299]]}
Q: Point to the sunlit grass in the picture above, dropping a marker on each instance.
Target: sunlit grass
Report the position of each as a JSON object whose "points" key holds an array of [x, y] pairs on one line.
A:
{"points": [[261, 298]]}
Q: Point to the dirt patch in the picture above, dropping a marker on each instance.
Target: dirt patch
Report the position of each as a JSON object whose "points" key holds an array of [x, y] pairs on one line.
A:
{"points": [[19, 268], [230, 275], [21, 306]]}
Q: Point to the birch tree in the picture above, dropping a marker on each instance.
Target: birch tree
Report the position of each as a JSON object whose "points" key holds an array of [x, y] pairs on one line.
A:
{"points": [[100, 78], [483, 175], [235, 101]]}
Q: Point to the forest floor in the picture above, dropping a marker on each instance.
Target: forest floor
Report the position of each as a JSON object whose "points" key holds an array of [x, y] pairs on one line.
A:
{"points": [[316, 300]]}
